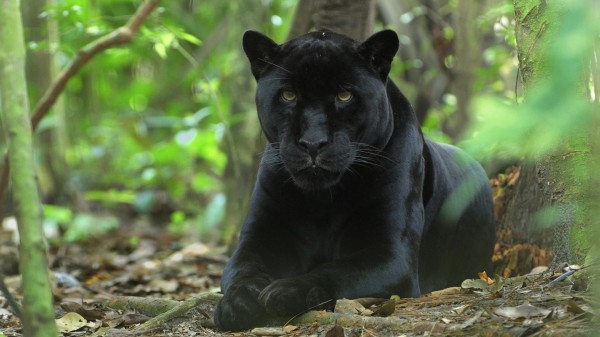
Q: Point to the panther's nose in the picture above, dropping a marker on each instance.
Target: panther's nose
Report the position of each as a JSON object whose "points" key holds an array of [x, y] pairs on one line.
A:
{"points": [[312, 145]]}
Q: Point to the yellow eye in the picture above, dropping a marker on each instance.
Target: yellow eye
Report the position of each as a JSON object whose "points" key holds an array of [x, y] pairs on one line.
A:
{"points": [[344, 96], [288, 95]]}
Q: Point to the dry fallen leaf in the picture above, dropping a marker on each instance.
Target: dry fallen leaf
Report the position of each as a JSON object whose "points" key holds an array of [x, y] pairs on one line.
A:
{"points": [[369, 301], [71, 321], [134, 318], [348, 307], [113, 319], [471, 284], [188, 253], [459, 310], [336, 331], [386, 309], [87, 313], [164, 286], [289, 328], [275, 331], [575, 308], [524, 310], [484, 276], [538, 270], [471, 320], [447, 291]]}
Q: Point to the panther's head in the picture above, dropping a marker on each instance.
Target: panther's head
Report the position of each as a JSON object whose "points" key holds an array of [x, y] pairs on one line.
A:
{"points": [[322, 102]]}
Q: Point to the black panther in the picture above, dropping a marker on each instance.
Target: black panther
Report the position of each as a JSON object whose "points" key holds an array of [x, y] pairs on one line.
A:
{"points": [[350, 200]]}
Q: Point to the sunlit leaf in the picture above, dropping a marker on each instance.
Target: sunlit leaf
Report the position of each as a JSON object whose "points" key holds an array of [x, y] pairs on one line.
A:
{"points": [[59, 214], [71, 321], [189, 38], [161, 50]]}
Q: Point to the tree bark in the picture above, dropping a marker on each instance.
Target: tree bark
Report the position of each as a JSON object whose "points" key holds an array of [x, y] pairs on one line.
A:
{"points": [[467, 44], [355, 19], [38, 313], [562, 178], [303, 18], [42, 68], [423, 48]]}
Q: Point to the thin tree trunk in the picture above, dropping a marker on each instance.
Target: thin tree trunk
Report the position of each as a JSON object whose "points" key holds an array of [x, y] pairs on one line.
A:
{"points": [[303, 18], [422, 41], [468, 58], [42, 69], [60, 132], [38, 313]]}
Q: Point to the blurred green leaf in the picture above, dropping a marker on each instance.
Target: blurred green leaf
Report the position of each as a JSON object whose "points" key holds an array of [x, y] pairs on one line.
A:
{"points": [[215, 211], [111, 196], [85, 226], [60, 215]]}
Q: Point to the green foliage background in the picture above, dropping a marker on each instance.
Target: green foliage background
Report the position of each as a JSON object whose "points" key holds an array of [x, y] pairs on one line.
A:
{"points": [[148, 122]]}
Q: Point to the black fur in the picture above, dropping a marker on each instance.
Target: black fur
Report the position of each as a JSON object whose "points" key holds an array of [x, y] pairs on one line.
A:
{"points": [[350, 200]]}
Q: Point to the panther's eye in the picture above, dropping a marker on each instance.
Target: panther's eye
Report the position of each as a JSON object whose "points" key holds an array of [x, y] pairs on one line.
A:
{"points": [[289, 96], [344, 96]]}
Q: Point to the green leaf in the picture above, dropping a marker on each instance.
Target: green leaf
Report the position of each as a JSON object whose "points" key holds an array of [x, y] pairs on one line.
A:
{"points": [[87, 225], [189, 38], [111, 196], [60, 215], [161, 50]]}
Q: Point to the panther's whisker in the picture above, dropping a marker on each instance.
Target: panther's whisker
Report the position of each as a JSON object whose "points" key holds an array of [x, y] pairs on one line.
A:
{"points": [[277, 79], [307, 310], [275, 65]]}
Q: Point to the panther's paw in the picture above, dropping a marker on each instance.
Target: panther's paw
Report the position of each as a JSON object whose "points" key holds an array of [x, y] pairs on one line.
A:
{"points": [[288, 297], [240, 309]]}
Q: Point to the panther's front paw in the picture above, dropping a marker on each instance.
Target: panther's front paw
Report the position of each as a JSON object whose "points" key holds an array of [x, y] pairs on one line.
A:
{"points": [[240, 309], [288, 297]]}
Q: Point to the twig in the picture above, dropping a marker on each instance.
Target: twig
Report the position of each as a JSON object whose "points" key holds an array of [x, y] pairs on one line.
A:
{"points": [[4, 180], [117, 37], [347, 320], [9, 297], [571, 271], [148, 306], [180, 310], [561, 277]]}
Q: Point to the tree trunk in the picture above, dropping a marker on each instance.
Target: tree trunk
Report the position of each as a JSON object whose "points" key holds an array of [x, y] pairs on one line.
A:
{"points": [[38, 313], [467, 44], [303, 18], [423, 49], [42, 69], [561, 179], [355, 19], [60, 133]]}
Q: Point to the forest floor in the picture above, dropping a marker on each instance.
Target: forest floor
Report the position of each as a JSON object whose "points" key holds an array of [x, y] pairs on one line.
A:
{"points": [[110, 285]]}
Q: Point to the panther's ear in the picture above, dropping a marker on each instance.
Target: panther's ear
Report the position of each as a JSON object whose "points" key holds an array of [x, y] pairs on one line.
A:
{"points": [[260, 50], [379, 50]]}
